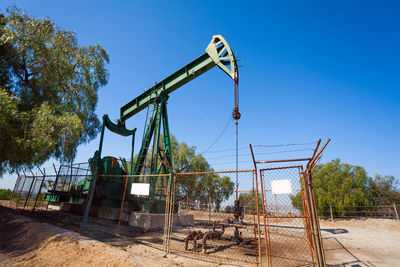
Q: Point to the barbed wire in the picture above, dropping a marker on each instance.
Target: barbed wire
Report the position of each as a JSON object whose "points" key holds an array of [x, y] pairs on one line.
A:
{"points": [[267, 153], [298, 144], [255, 146]]}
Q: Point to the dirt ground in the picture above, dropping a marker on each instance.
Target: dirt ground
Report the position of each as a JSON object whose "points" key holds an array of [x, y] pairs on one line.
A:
{"points": [[362, 242], [35, 240]]}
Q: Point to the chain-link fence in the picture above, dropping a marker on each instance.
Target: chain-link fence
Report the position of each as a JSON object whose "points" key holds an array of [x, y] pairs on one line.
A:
{"points": [[135, 200], [211, 223], [52, 190], [286, 225], [22, 191], [221, 216]]}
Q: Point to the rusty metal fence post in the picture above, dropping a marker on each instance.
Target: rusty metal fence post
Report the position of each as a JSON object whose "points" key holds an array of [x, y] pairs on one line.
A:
{"points": [[15, 189], [316, 231], [40, 188], [90, 196], [30, 189], [122, 205]]}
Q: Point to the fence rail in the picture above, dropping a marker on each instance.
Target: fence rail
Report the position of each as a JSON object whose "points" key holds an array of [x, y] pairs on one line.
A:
{"points": [[391, 211]]}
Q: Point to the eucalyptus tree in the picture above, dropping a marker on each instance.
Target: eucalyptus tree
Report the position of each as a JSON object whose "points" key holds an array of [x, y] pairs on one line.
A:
{"points": [[48, 91]]}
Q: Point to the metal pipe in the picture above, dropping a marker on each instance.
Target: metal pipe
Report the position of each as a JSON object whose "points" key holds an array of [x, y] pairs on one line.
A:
{"points": [[40, 188], [287, 217], [307, 222], [282, 160], [215, 256], [20, 191], [70, 180], [322, 149], [15, 188], [315, 162], [171, 209], [187, 173], [276, 215], [266, 224], [258, 209], [314, 214], [254, 212], [122, 206], [315, 151], [311, 225], [30, 189], [166, 217], [279, 168], [57, 176], [130, 176], [90, 196]]}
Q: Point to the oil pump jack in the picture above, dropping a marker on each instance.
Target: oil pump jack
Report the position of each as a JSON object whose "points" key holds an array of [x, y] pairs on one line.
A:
{"points": [[218, 53], [107, 190]]}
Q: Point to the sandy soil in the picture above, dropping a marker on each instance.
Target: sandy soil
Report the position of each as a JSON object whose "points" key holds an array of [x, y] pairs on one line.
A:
{"points": [[362, 242], [33, 240]]}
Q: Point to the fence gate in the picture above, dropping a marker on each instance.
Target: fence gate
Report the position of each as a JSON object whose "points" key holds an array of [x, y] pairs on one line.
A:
{"points": [[288, 226], [204, 224]]}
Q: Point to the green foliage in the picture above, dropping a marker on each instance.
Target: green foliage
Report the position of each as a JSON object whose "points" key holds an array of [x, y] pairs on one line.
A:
{"points": [[48, 91], [198, 188], [385, 190], [346, 187], [341, 185], [5, 194]]}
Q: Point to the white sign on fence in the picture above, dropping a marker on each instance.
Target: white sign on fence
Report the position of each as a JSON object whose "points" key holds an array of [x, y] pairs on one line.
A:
{"points": [[281, 187], [140, 189]]}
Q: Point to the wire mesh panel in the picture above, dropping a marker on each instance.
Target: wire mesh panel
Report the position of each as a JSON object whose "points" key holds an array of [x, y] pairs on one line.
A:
{"points": [[68, 176], [17, 189], [210, 222], [34, 192], [23, 193], [287, 227], [137, 200]]}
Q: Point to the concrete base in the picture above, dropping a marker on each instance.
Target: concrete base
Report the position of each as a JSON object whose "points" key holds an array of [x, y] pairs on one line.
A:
{"points": [[95, 211], [153, 222], [53, 207], [72, 207], [145, 221], [107, 213]]}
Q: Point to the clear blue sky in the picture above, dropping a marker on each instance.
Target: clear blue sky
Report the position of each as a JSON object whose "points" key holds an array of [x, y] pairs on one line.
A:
{"points": [[310, 70]]}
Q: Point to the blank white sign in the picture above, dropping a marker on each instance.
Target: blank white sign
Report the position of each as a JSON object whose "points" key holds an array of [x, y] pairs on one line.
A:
{"points": [[140, 189], [281, 187]]}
